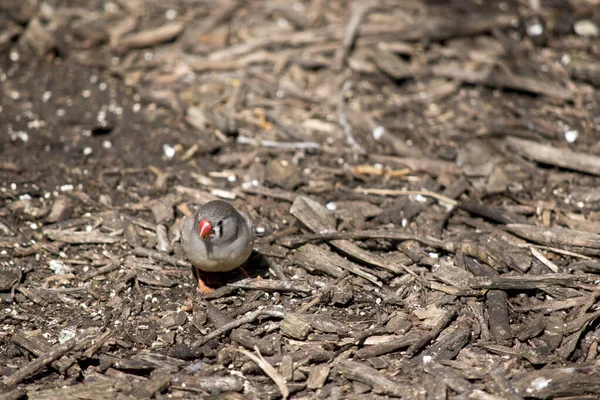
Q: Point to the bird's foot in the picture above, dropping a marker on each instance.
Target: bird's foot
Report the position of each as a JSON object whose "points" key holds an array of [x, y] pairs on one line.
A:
{"points": [[203, 288]]}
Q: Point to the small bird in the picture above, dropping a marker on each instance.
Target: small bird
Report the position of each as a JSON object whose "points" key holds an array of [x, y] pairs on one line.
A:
{"points": [[217, 238]]}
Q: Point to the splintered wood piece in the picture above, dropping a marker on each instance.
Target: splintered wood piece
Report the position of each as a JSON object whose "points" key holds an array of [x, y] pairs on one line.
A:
{"points": [[498, 78], [425, 339], [246, 319], [449, 376], [492, 213], [317, 376], [61, 210], [316, 258], [296, 326], [529, 281], [560, 157], [379, 349], [381, 383], [279, 194], [497, 307], [162, 240], [429, 165], [271, 285], [245, 338], [208, 384], [447, 345], [38, 346], [103, 389], [92, 237], [157, 255], [317, 218], [269, 370], [149, 37], [159, 380], [359, 11], [47, 358], [549, 383], [295, 241], [585, 242]]}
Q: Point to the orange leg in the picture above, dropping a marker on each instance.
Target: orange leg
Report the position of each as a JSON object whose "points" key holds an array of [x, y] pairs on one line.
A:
{"points": [[243, 271], [202, 286]]}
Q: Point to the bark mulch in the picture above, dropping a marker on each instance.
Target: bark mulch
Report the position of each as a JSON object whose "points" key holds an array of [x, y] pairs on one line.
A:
{"points": [[422, 175]]}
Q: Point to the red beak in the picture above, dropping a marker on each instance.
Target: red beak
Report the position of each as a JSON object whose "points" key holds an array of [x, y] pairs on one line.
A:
{"points": [[204, 228]]}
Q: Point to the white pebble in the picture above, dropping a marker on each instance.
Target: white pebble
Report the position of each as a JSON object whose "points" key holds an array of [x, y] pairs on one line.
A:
{"points": [[224, 194], [169, 151], [171, 14], [331, 206], [586, 28], [107, 144], [59, 267], [66, 334], [66, 188], [378, 133], [571, 136], [87, 151], [535, 29]]}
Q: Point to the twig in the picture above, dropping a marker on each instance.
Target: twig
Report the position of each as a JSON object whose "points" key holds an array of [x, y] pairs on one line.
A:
{"points": [[360, 10], [246, 319], [343, 120], [272, 285], [538, 254], [149, 37], [268, 369], [54, 354], [279, 145], [157, 255], [394, 192], [100, 271], [295, 241]]}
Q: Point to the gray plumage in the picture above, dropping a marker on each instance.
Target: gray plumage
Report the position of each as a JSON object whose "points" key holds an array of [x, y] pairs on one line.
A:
{"points": [[230, 243]]}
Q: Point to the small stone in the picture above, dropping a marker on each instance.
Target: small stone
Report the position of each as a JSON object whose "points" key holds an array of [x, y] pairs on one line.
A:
{"points": [[586, 28]]}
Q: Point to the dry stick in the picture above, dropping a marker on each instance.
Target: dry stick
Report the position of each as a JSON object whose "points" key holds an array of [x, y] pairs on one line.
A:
{"points": [[343, 120], [359, 11], [54, 354], [100, 271], [393, 192], [268, 369], [292, 146], [560, 157], [93, 237], [538, 254], [295, 241], [555, 250], [98, 344], [149, 37], [246, 319], [157, 255]]}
